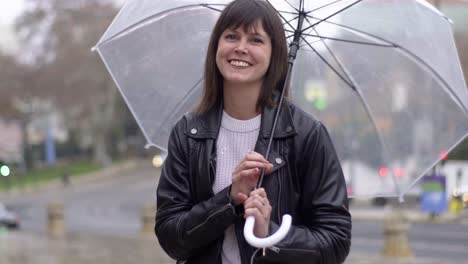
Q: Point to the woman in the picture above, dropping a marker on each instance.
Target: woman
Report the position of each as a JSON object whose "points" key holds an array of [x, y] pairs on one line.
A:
{"points": [[207, 185]]}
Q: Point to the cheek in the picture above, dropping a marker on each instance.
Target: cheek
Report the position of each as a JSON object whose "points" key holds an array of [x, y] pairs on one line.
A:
{"points": [[218, 59], [267, 59]]}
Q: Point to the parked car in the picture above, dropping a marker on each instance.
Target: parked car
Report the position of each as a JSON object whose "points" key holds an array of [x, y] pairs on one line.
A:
{"points": [[7, 218]]}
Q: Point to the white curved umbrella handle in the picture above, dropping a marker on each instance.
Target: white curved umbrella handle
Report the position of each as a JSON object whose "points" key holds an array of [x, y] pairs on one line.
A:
{"points": [[267, 241]]}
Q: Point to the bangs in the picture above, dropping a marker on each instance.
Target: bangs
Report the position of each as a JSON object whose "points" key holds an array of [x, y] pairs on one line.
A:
{"points": [[247, 14]]}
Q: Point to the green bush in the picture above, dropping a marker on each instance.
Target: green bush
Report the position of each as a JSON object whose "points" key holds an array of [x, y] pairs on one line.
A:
{"points": [[41, 175]]}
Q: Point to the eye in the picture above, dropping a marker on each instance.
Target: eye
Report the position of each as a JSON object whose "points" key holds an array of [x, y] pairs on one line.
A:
{"points": [[258, 40], [230, 36]]}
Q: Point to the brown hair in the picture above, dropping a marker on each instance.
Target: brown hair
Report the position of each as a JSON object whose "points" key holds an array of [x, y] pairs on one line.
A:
{"points": [[246, 13]]}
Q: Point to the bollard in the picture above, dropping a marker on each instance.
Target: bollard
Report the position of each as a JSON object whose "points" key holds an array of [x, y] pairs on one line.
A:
{"points": [[56, 223], [396, 236], [148, 220]]}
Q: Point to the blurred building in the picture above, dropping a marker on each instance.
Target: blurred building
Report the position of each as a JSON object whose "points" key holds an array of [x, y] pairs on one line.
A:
{"points": [[11, 143]]}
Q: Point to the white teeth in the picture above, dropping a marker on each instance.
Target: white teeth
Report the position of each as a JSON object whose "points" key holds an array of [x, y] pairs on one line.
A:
{"points": [[239, 63]]}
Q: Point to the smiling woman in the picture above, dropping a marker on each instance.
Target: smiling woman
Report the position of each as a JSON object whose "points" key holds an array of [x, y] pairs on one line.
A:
{"points": [[208, 192]]}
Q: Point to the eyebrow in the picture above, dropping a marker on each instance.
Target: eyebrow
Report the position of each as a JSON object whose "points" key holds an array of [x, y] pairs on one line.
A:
{"points": [[253, 33]]}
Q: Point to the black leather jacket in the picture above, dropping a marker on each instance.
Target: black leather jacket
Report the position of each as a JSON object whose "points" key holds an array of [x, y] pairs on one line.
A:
{"points": [[307, 182]]}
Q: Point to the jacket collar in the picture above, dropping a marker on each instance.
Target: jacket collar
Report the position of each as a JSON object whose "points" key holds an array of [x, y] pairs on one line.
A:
{"points": [[206, 126]]}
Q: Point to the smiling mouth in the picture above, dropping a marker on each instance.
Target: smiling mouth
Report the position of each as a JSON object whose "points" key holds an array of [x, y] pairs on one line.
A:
{"points": [[238, 63]]}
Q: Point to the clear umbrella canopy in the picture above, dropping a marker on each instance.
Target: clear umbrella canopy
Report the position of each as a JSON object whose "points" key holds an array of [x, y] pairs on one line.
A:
{"points": [[383, 76]]}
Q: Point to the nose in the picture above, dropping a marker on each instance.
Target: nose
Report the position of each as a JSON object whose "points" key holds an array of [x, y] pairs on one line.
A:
{"points": [[241, 47]]}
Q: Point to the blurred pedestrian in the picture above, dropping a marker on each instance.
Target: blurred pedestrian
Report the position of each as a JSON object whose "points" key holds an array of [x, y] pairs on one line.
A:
{"points": [[207, 184]]}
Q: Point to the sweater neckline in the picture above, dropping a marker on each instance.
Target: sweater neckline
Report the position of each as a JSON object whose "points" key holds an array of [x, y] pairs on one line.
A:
{"points": [[236, 125]]}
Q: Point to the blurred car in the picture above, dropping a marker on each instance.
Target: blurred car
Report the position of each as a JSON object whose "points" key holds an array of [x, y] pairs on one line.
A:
{"points": [[7, 218]]}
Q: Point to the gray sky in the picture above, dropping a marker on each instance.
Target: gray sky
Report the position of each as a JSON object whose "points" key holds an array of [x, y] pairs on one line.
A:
{"points": [[10, 9]]}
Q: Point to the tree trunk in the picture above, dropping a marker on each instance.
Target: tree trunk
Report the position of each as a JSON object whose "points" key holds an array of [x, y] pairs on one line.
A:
{"points": [[103, 120]]}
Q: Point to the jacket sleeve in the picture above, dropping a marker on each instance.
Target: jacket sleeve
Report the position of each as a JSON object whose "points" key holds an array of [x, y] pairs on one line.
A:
{"points": [[184, 228], [322, 234]]}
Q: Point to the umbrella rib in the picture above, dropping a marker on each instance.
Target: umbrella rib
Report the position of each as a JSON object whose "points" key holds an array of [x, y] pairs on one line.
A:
{"points": [[353, 85], [411, 55], [332, 54], [313, 42], [289, 21], [328, 63], [329, 4], [286, 12], [356, 31], [349, 41], [282, 17], [146, 19], [209, 6], [332, 15], [291, 5]]}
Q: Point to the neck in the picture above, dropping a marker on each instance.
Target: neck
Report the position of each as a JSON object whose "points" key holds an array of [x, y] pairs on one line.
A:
{"points": [[240, 100]]}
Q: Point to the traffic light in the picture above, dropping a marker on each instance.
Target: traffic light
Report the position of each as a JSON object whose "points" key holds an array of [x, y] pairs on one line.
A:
{"points": [[316, 93], [383, 171]]}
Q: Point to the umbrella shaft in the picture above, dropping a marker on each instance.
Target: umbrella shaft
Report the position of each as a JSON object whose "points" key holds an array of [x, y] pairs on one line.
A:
{"points": [[273, 129], [293, 48]]}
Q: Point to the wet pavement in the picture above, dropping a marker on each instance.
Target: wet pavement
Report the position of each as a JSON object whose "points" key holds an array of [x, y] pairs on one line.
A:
{"points": [[92, 238], [19, 247], [23, 248]]}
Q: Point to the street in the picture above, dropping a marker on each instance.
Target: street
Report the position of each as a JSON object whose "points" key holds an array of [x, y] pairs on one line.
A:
{"points": [[444, 242], [112, 208]]}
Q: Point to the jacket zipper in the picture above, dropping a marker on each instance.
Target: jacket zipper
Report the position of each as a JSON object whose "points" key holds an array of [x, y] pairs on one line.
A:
{"points": [[227, 206]]}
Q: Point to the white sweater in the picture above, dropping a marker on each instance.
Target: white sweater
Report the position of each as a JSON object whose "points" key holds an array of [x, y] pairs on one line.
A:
{"points": [[236, 138]]}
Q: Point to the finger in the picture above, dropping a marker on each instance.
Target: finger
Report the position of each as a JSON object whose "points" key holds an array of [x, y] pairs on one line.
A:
{"points": [[253, 212], [268, 168], [253, 202], [257, 201], [242, 175], [260, 192], [263, 204], [250, 172], [242, 197], [255, 156], [248, 164]]}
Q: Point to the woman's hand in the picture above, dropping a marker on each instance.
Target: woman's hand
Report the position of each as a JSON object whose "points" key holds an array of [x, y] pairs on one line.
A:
{"points": [[258, 205], [246, 175]]}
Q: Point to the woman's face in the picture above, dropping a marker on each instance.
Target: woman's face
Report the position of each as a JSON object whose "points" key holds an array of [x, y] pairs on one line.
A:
{"points": [[244, 57]]}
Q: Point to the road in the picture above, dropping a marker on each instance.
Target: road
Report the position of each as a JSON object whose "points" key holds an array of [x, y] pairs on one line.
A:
{"points": [[446, 243], [113, 206]]}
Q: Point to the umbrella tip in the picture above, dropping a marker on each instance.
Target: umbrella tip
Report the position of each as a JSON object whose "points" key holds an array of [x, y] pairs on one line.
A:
{"points": [[93, 49]]}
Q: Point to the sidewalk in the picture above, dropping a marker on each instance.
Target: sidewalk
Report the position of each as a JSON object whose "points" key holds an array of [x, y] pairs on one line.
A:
{"points": [[356, 259], [23, 248], [413, 215]]}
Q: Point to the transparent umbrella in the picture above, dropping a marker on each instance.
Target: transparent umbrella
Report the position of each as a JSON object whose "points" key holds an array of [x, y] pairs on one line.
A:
{"points": [[383, 76]]}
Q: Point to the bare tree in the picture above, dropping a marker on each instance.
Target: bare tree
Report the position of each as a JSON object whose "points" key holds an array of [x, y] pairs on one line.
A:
{"points": [[59, 35]]}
